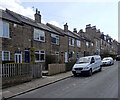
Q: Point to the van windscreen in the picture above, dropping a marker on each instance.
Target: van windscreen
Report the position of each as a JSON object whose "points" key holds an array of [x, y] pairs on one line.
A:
{"points": [[83, 60]]}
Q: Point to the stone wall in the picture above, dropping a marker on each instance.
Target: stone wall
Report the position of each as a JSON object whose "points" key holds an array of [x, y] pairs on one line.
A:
{"points": [[56, 68]]}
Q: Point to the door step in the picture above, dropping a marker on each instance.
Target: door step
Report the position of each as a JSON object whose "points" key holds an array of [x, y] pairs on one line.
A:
{"points": [[45, 73]]}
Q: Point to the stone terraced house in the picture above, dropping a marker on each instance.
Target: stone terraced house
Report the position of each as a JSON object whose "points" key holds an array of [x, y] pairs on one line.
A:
{"points": [[20, 34]]}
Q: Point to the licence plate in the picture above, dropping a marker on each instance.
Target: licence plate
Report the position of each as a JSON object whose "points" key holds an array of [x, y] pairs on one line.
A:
{"points": [[78, 71]]}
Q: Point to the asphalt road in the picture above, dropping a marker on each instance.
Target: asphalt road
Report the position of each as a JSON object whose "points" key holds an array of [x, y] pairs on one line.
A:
{"points": [[100, 85]]}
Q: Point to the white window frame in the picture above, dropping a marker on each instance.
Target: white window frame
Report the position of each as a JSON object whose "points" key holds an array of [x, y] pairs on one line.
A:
{"points": [[92, 45], [56, 37], [3, 29], [78, 43], [18, 54], [73, 54], [3, 58], [105, 38], [39, 56], [87, 44], [73, 41], [39, 33]]}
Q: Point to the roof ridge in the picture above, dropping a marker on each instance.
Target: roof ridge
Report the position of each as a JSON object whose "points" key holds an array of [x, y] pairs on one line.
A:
{"points": [[9, 12]]}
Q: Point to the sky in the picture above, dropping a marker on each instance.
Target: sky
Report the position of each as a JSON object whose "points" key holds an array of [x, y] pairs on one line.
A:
{"points": [[100, 13]]}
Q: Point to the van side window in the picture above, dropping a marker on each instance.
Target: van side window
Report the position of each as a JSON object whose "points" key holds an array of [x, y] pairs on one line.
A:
{"points": [[92, 60]]}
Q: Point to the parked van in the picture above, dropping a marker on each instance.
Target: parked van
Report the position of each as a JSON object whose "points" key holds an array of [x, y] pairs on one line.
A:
{"points": [[88, 64]]}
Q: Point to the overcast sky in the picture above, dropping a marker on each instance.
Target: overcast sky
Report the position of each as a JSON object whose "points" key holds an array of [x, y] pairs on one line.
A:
{"points": [[103, 14]]}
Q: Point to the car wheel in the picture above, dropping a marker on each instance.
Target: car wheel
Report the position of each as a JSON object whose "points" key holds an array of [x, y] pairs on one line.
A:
{"points": [[90, 72], [113, 63]]}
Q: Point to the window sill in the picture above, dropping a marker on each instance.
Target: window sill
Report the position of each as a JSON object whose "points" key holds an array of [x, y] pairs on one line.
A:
{"points": [[71, 45], [78, 47], [55, 44], [5, 37], [40, 61], [39, 41]]}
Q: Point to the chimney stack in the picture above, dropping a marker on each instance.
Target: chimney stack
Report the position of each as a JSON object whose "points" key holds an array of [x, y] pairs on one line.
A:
{"points": [[81, 31], [98, 31], [66, 27], [37, 16], [88, 26], [75, 30], [93, 27]]}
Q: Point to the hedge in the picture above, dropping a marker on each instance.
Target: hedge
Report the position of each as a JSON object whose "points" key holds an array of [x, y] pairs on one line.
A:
{"points": [[69, 66]]}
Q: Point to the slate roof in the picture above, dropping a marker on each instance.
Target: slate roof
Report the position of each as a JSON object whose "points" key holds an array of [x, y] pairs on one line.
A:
{"points": [[15, 17], [7, 16], [69, 33]]}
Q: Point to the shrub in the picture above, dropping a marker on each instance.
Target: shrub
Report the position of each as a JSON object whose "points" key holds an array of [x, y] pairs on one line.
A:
{"points": [[69, 65], [50, 59], [32, 54], [113, 55]]}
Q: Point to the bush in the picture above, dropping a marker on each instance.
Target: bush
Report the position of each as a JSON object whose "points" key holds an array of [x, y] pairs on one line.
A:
{"points": [[69, 66], [108, 55], [50, 59], [32, 54]]}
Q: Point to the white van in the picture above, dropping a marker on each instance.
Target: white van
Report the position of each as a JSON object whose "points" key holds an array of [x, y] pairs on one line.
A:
{"points": [[88, 64]]}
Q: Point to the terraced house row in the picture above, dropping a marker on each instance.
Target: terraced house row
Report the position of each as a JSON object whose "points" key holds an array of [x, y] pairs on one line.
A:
{"points": [[18, 34]]}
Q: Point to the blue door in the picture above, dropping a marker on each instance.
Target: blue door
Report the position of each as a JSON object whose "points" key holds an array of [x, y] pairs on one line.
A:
{"points": [[27, 57]]}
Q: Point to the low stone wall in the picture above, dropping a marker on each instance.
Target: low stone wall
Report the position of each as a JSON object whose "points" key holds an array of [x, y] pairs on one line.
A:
{"points": [[56, 68], [13, 74], [10, 81]]}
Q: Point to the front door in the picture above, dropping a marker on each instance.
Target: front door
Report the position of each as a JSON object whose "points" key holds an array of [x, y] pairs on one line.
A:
{"points": [[18, 57], [66, 57], [27, 57]]}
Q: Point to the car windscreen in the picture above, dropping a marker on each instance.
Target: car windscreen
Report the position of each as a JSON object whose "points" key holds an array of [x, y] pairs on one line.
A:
{"points": [[83, 60]]}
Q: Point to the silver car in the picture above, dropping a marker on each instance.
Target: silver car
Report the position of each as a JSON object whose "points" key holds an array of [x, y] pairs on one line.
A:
{"points": [[108, 61]]}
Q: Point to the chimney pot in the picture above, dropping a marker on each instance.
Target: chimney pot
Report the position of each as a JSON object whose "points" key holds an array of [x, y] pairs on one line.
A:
{"points": [[81, 31], [88, 26], [94, 27], [75, 30]]}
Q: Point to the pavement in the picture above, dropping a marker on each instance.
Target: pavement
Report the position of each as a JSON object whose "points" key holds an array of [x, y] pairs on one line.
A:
{"points": [[34, 84]]}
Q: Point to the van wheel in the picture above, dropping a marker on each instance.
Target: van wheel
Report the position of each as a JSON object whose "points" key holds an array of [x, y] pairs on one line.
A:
{"points": [[90, 72], [75, 74], [100, 69]]}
